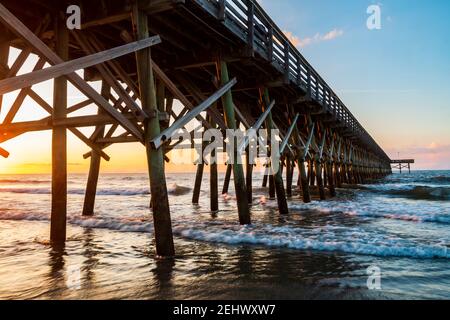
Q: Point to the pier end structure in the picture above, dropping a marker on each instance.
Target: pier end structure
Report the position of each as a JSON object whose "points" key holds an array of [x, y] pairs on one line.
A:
{"points": [[402, 164]]}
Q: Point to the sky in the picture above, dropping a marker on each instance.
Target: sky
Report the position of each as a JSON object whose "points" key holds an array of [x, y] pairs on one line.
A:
{"points": [[395, 80]]}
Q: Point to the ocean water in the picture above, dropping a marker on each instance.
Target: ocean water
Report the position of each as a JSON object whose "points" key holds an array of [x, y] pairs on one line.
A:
{"points": [[322, 250]]}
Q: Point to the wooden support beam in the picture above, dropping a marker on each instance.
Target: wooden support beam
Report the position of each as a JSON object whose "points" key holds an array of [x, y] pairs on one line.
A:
{"points": [[272, 192], [106, 20], [15, 25], [4, 55], [116, 67], [276, 177], [249, 176], [330, 167], [258, 124], [338, 164], [68, 67], [303, 178], [319, 166], [156, 6], [177, 93], [319, 177], [94, 168], [213, 180], [4, 153], [59, 143], [230, 120], [155, 157], [110, 78], [47, 123], [21, 97], [289, 176], [288, 135], [265, 176], [226, 182], [311, 172], [166, 135], [111, 140], [198, 182], [190, 86]]}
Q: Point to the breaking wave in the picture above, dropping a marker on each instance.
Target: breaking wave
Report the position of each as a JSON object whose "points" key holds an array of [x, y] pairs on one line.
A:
{"points": [[331, 239], [416, 192], [23, 181], [425, 193], [172, 189], [435, 218], [327, 238]]}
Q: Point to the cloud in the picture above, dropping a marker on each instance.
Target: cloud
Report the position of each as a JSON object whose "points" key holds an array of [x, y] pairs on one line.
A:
{"points": [[300, 43], [292, 38], [333, 34]]}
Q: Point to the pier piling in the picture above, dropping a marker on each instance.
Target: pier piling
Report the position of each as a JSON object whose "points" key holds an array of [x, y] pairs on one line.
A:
{"points": [[155, 157], [94, 168], [238, 173], [59, 142]]}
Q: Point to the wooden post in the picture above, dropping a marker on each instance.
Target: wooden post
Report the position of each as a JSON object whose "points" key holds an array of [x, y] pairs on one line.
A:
{"points": [[289, 177], [213, 180], [318, 166], [308, 164], [304, 181], [337, 173], [238, 172], [329, 163], [4, 54], [94, 169], [249, 177], [155, 158], [198, 183], [331, 185], [226, 182], [276, 177], [265, 177], [344, 165], [59, 143], [271, 186], [312, 171]]}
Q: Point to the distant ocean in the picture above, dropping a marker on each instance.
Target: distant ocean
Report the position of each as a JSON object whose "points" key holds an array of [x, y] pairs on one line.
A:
{"points": [[322, 250]]}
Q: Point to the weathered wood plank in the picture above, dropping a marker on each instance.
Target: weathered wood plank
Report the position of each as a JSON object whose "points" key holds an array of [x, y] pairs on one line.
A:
{"points": [[65, 68]]}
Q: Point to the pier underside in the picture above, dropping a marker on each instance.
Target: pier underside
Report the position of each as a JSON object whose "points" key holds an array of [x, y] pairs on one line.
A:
{"points": [[228, 65]]}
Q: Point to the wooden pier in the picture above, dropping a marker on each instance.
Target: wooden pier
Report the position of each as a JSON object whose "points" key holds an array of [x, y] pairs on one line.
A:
{"points": [[402, 164], [228, 64]]}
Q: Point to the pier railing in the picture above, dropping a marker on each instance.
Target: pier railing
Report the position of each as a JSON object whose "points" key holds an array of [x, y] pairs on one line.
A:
{"points": [[249, 22]]}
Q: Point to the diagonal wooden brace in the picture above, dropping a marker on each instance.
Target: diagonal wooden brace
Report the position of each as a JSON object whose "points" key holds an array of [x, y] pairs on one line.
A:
{"points": [[67, 67], [158, 141], [4, 153], [15, 25]]}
